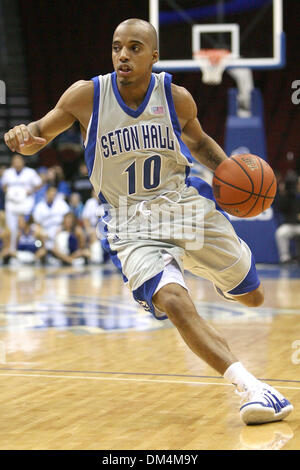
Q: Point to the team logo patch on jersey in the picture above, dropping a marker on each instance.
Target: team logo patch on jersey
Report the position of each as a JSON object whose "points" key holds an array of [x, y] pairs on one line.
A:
{"points": [[158, 110]]}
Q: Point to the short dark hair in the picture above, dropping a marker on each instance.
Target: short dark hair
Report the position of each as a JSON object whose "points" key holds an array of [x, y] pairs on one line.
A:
{"points": [[51, 186]]}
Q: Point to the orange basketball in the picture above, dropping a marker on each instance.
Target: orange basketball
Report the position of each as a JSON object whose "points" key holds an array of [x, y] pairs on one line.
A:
{"points": [[244, 185]]}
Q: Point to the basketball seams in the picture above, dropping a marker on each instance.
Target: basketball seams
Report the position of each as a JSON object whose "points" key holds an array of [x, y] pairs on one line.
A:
{"points": [[235, 187], [261, 186], [268, 197], [245, 171], [257, 197], [234, 203], [240, 189], [262, 176]]}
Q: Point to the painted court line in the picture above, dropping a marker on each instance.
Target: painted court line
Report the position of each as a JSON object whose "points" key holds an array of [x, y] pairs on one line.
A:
{"points": [[111, 379], [119, 379], [152, 374]]}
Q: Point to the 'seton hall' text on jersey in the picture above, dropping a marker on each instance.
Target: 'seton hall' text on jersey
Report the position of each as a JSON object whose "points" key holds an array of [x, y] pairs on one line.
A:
{"points": [[137, 137]]}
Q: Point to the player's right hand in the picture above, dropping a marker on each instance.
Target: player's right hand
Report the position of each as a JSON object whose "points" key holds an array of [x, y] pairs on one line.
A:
{"points": [[20, 137]]}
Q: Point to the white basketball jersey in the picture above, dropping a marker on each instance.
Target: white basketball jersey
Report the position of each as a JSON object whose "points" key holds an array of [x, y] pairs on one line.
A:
{"points": [[135, 154]]}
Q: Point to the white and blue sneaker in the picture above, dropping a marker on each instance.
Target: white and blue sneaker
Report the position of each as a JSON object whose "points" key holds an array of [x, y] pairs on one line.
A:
{"points": [[263, 404]]}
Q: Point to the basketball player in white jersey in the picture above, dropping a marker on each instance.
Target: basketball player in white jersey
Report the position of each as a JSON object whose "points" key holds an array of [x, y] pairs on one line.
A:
{"points": [[135, 126]]}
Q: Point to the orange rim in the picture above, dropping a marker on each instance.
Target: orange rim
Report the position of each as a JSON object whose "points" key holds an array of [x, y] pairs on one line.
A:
{"points": [[213, 55]]}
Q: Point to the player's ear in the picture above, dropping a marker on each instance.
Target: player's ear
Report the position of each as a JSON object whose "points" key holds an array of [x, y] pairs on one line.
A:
{"points": [[155, 56]]}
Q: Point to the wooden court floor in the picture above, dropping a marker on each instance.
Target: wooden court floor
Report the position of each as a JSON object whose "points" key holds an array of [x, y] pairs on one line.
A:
{"points": [[83, 367]]}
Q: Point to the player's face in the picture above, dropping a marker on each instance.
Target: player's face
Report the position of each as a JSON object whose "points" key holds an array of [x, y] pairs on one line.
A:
{"points": [[51, 194], [69, 221], [18, 163], [132, 53]]}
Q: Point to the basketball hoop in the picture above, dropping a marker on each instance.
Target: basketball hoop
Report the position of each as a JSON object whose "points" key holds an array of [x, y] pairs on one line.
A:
{"points": [[212, 62]]}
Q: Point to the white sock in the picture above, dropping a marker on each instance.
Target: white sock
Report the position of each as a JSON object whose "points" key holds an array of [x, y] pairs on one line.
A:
{"points": [[240, 377]]}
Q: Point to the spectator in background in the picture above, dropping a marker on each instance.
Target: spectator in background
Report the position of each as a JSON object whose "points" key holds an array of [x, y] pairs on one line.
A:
{"points": [[90, 215], [63, 186], [30, 241], [19, 184], [70, 139], [5, 252], [288, 206], [49, 214], [55, 177], [70, 147], [76, 205], [40, 193], [81, 183], [90, 219], [2, 194], [70, 242]]}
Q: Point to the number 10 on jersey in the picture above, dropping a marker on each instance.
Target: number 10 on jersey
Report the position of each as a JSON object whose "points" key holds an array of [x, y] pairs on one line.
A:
{"points": [[150, 174]]}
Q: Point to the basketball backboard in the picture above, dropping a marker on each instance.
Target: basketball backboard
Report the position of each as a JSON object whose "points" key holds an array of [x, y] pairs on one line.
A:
{"points": [[251, 30]]}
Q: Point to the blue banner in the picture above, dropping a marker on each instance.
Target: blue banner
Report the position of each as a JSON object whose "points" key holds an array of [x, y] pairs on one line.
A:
{"points": [[259, 234]]}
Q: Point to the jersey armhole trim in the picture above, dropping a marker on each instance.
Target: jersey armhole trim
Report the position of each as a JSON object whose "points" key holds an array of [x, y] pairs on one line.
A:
{"points": [[174, 119], [91, 138], [88, 131]]}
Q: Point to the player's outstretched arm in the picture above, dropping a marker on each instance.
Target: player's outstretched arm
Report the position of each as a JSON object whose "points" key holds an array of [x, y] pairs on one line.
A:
{"points": [[202, 146], [31, 138]]}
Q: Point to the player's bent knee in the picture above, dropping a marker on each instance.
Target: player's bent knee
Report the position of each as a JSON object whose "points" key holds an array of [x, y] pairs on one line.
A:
{"points": [[170, 299], [254, 298]]}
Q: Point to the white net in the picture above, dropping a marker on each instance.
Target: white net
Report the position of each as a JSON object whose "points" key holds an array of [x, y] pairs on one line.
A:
{"points": [[212, 62]]}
